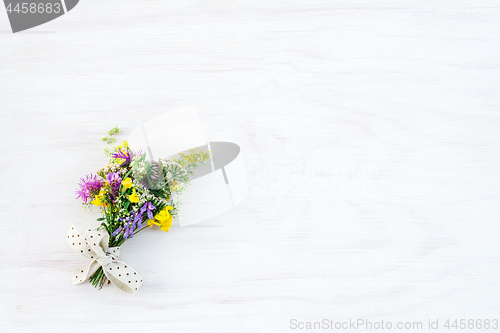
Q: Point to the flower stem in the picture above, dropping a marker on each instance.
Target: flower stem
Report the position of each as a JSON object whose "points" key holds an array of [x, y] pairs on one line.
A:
{"points": [[137, 231]]}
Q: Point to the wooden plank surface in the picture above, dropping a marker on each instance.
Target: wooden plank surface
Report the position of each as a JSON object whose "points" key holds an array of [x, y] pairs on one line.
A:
{"points": [[370, 132]]}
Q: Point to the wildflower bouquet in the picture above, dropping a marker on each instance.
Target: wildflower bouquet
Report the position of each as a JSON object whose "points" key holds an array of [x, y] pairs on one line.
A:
{"points": [[133, 193]]}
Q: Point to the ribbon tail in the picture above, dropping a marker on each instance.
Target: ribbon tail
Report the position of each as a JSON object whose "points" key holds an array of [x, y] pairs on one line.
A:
{"points": [[122, 276], [81, 275], [79, 244]]}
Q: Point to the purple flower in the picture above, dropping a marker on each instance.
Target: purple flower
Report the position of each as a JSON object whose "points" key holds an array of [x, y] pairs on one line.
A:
{"points": [[143, 209], [138, 216], [114, 181], [134, 220], [148, 206], [127, 156], [150, 209], [116, 232], [89, 187], [122, 155], [113, 178]]}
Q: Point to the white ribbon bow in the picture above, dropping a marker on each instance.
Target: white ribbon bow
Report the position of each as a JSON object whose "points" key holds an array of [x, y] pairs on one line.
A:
{"points": [[94, 245]]}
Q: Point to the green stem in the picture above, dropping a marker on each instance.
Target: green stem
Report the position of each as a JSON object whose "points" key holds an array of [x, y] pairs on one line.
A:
{"points": [[97, 278], [101, 278], [137, 231]]}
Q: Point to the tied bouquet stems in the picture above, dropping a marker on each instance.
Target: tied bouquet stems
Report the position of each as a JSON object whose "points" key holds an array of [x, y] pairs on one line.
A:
{"points": [[134, 193]]}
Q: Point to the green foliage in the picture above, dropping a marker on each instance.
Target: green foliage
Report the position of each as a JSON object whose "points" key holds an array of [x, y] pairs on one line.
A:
{"points": [[110, 139]]}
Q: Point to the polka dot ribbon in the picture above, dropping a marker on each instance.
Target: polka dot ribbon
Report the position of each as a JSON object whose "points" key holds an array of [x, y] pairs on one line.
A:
{"points": [[94, 245]]}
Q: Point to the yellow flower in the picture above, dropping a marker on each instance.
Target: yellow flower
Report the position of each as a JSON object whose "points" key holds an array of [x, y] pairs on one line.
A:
{"points": [[166, 224], [125, 144], [151, 222], [98, 200], [127, 183], [164, 218], [133, 197]]}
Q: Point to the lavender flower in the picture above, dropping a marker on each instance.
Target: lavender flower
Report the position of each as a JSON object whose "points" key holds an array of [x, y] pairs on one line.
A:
{"points": [[133, 221], [147, 207], [137, 217], [89, 187], [116, 232], [150, 209]]}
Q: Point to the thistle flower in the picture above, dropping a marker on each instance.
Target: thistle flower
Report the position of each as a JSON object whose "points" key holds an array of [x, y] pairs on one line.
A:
{"points": [[89, 187], [125, 156]]}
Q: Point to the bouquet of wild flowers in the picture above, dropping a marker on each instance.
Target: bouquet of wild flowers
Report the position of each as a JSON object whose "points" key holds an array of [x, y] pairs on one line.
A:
{"points": [[133, 193]]}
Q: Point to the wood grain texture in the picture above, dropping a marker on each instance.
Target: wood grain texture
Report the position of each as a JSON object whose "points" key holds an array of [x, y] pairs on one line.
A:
{"points": [[370, 132]]}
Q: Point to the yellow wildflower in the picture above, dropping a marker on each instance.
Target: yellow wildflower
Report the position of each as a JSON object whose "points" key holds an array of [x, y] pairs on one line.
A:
{"points": [[98, 200], [164, 218], [133, 197], [151, 222], [127, 183], [166, 224]]}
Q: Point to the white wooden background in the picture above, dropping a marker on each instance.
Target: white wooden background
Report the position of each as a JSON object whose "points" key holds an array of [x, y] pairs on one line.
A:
{"points": [[370, 131]]}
